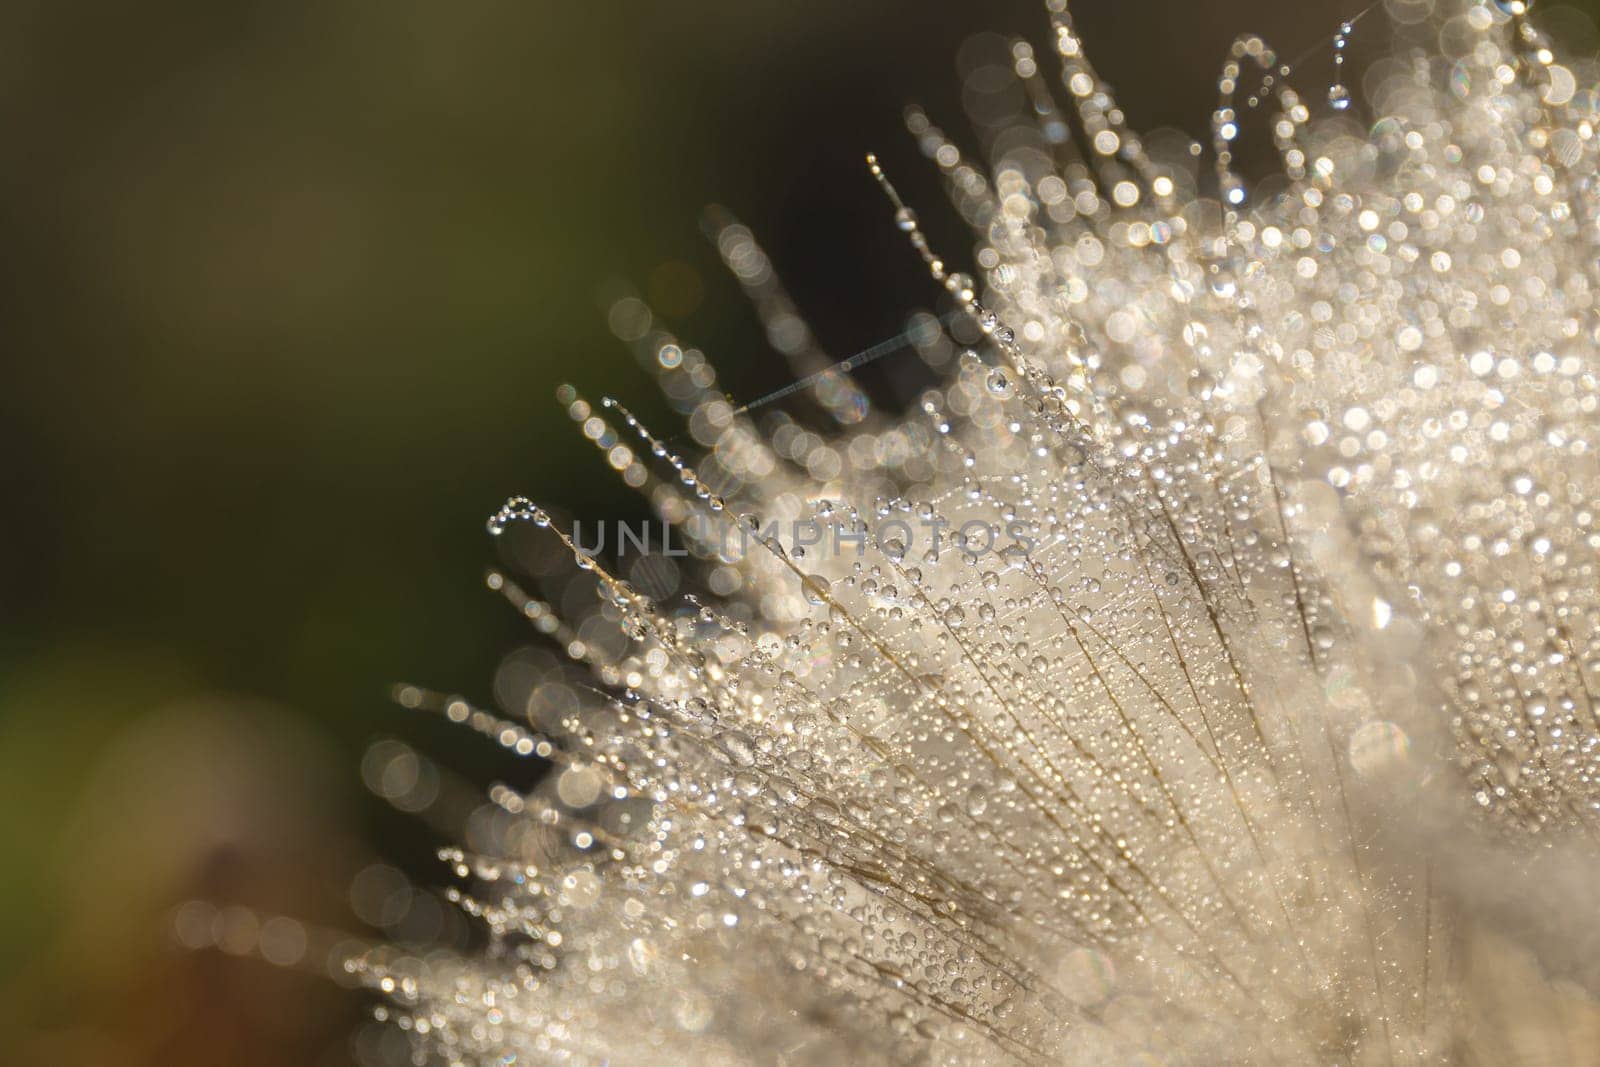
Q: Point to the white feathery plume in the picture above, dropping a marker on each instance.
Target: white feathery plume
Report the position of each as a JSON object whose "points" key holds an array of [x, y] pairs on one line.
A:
{"points": [[1243, 713]]}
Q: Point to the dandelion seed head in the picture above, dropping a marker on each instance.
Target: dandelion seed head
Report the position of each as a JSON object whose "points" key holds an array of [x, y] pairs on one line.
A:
{"points": [[1226, 605]]}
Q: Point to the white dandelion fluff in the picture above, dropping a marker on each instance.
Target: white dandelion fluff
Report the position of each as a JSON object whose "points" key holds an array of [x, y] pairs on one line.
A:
{"points": [[1201, 672]]}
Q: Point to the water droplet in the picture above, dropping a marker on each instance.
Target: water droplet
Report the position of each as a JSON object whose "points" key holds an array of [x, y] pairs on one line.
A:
{"points": [[516, 509], [977, 801], [738, 750]]}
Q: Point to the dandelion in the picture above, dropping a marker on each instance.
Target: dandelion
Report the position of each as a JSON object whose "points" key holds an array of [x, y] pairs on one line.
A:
{"points": [[1201, 671]]}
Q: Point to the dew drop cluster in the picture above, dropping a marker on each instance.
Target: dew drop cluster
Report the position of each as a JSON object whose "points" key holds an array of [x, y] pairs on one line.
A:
{"points": [[1257, 730]]}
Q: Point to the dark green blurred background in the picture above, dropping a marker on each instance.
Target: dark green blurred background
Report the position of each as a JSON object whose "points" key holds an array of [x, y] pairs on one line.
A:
{"points": [[288, 288]]}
